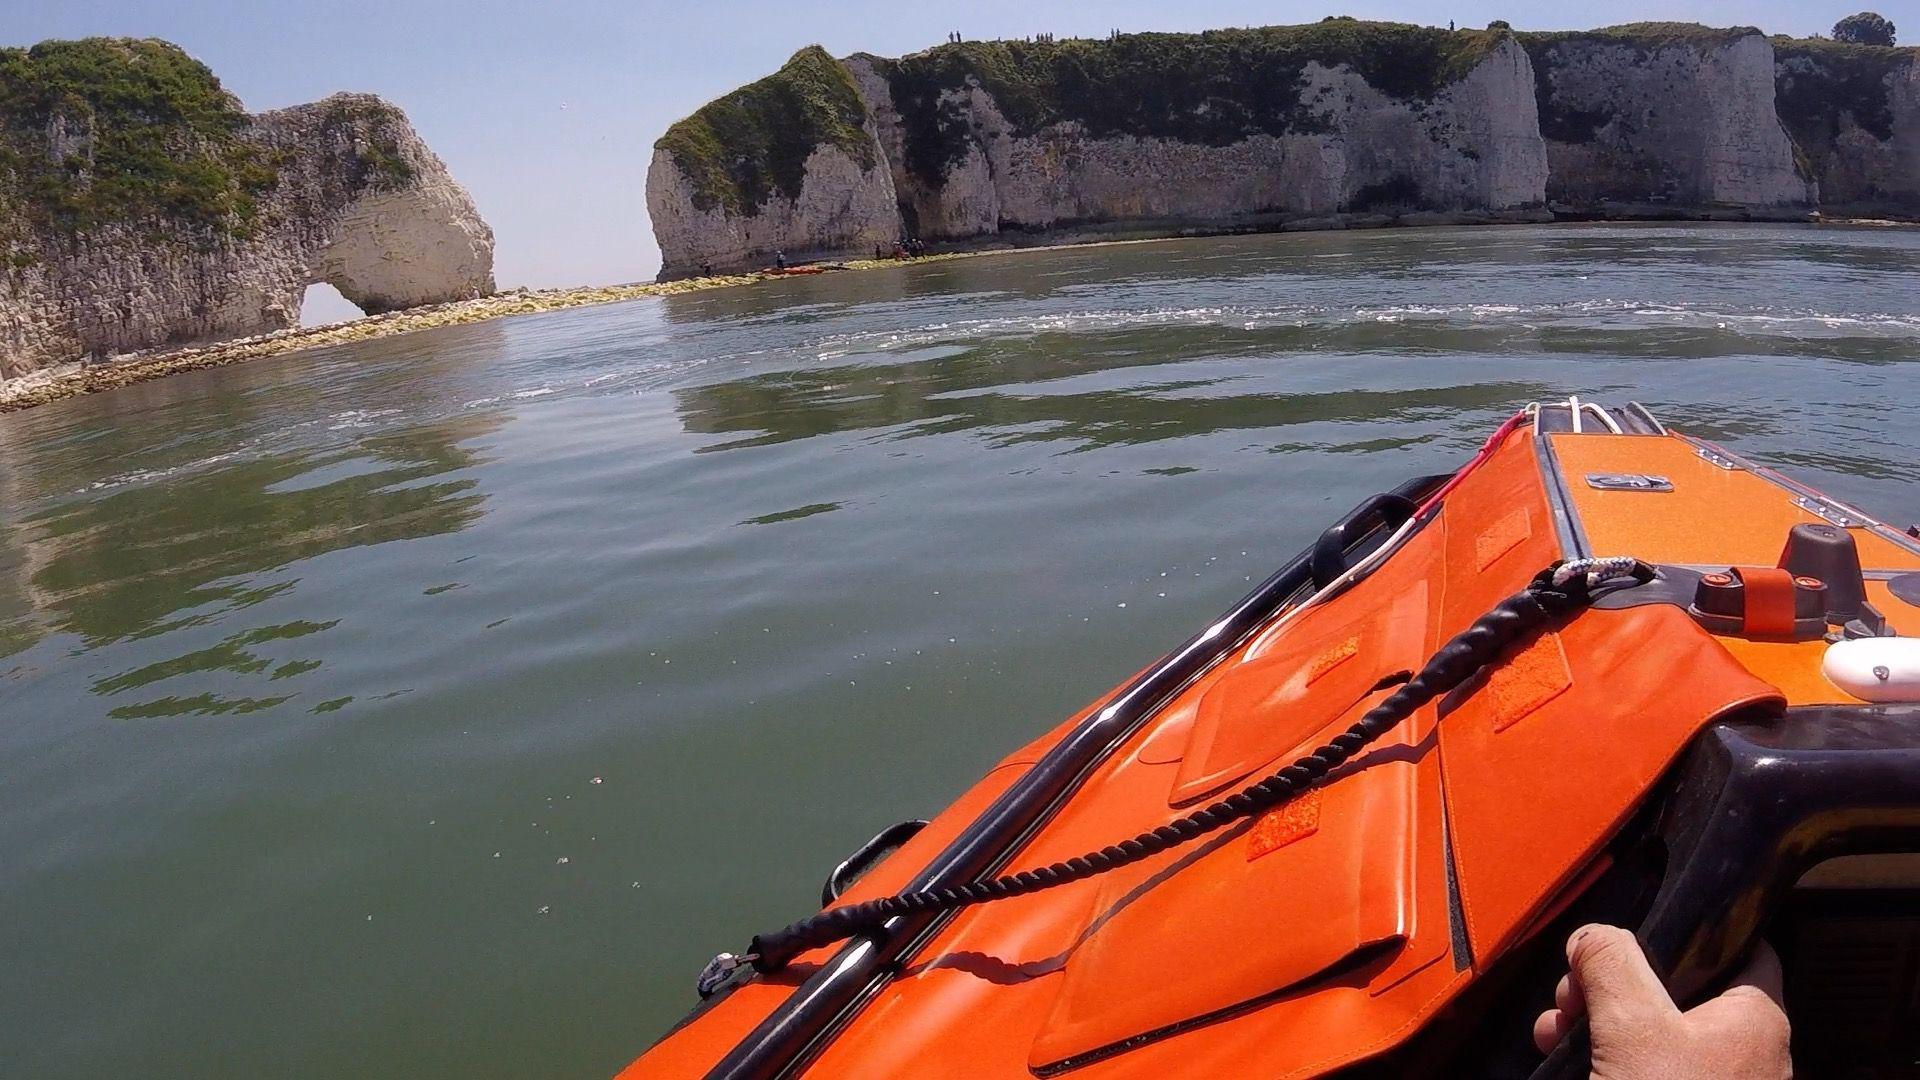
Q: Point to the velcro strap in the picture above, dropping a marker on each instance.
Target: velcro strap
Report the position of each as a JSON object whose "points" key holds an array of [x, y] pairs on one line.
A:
{"points": [[1769, 601]]}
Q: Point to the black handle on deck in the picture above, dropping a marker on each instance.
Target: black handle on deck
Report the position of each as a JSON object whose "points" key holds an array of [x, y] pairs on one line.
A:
{"points": [[855, 866], [1333, 552]]}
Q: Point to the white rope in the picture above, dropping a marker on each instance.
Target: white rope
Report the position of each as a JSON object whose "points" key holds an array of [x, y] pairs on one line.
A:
{"points": [[1596, 570]]}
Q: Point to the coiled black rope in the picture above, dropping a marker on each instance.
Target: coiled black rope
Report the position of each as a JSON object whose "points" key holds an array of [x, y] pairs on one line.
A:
{"points": [[1552, 595]]}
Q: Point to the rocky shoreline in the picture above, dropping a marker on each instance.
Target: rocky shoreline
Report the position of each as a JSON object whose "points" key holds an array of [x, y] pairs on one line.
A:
{"points": [[70, 380]]}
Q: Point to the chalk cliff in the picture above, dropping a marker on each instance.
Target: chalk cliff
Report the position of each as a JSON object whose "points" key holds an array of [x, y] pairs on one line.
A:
{"points": [[1463, 139], [789, 163], [1226, 129], [1334, 123], [141, 206], [1664, 113]]}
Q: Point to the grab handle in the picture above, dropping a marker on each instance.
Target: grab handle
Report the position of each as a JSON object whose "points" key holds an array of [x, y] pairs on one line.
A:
{"points": [[1388, 510], [855, 866]]}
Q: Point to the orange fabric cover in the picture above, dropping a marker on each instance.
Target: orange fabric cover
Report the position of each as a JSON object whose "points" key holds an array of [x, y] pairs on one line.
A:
{"points": [[1585, 756], [1268, 707], [1350, 880]]}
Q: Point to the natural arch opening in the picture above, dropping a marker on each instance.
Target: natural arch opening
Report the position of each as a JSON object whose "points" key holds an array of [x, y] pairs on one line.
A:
{"points": [[322, 304]]}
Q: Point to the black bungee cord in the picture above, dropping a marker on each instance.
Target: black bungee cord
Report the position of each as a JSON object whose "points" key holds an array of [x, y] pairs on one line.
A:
{"points": [[1556, 593]]}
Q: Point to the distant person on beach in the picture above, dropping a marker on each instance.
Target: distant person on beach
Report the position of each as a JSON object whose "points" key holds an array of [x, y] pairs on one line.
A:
{"points": [[779, 260]]}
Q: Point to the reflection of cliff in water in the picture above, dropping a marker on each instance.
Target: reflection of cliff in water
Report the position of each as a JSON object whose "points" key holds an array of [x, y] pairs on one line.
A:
{"points": [[20, 620], [117, 565], [993, 385]]}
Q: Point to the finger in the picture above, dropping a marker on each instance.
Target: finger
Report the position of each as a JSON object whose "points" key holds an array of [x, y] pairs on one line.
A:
{"points": [[1614, 976], [1549, 1028], [1568, 998]]}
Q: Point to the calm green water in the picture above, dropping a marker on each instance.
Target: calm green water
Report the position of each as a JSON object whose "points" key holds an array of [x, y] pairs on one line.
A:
{"points": [[435, 707]]}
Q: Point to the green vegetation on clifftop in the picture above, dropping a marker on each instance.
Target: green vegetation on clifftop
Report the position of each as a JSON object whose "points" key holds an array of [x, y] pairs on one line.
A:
{"points": [[112, 130], [738, 149], [1645, 37], [372, 123], [1214, 88]]}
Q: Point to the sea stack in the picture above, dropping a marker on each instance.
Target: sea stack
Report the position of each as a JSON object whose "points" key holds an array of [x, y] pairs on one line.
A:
{"points": [[141, 206]]}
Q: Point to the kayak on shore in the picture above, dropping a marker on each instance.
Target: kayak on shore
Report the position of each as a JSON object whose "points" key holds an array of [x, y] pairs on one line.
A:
{"points": [[1604, 672]]}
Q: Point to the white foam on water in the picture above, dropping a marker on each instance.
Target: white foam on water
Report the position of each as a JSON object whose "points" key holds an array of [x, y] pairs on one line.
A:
{"points": [[147, 476]]}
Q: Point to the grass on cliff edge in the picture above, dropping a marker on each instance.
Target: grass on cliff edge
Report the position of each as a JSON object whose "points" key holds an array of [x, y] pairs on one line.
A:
{"points": [[1646, 37], [1214, 88], [738, 149], [149, 133]]}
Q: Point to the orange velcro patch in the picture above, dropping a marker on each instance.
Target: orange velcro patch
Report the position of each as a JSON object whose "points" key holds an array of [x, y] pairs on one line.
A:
{"points": [[1501, 537], [1292, 820], [1332, 658], [1534, 676]]}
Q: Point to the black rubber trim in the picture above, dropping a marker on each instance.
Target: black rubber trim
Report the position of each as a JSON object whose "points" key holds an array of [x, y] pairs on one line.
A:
{"points": [[830, 998], [1462, 947], [1637, 419]]}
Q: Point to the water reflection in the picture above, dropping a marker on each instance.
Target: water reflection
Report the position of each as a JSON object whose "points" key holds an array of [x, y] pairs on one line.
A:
{"points": [[152, 559], [1001, 386]]}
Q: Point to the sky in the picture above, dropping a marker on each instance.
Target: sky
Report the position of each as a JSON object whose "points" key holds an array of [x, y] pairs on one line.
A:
{"points": [[548, 112]]}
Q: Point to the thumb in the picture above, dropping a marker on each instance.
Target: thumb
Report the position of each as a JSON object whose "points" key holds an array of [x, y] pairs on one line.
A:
{"points": [[1614, 976]]}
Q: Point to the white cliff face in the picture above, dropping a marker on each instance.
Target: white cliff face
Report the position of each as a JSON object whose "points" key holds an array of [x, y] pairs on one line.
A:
{"points": [[841, 208], [1475, 146], [1496, 120], [1613, 122], [359, 202], [1677, 124]]}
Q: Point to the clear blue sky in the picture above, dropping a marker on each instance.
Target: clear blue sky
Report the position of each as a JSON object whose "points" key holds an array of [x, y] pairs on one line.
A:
{"points": [[547, 112]]}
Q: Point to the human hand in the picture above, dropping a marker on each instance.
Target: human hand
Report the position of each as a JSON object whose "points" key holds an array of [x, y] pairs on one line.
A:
{"points": [[1639, 1034]]}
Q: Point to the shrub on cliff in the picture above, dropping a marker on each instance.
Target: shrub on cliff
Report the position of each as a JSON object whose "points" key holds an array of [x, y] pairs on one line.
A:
{"points": [[738, 149], [1819, 85], [1865, 28], [1213, 88], [108, 130]]}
